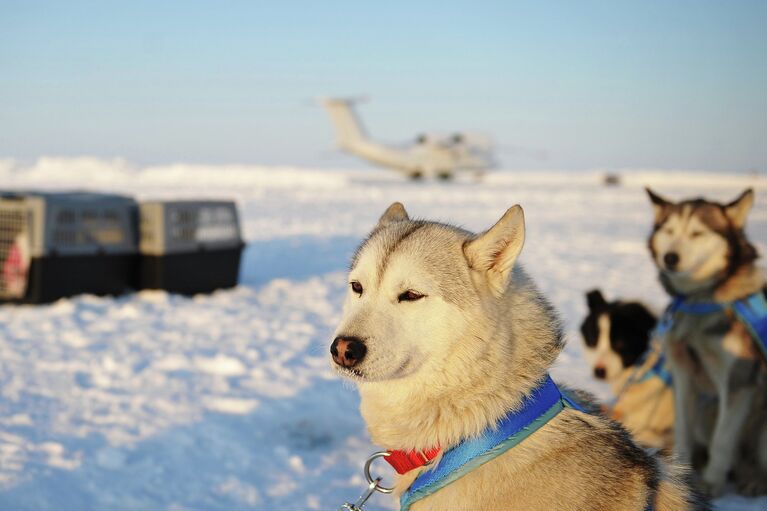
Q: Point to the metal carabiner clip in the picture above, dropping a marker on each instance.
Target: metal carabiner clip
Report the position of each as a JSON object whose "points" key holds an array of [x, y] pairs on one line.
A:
{"points": [[374, 485]]}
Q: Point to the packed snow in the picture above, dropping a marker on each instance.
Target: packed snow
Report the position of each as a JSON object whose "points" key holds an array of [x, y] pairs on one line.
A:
{"points": [[153, 401]]}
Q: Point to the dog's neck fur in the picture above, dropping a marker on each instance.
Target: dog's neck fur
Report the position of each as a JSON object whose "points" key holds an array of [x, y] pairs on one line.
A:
{"points": [[440, 406], [618, 384], [632, 373], [739, 283]]}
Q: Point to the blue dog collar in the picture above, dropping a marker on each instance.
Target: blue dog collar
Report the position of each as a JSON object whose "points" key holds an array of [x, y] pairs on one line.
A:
{"points": [[543, 404]]}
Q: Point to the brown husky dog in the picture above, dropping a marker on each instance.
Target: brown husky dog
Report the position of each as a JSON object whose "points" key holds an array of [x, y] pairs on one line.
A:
{"points": [[446, 337], [705, 260]]}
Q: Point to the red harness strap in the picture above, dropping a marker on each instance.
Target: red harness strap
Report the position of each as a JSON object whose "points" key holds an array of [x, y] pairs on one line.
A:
{"points": [[404, 462]]}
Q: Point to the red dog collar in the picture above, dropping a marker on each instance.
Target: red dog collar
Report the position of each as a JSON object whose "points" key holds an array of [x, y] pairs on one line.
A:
{"points": [[404, 462]]}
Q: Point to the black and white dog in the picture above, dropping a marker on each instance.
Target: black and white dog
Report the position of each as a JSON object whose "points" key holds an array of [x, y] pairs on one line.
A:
{"points": [[619, 347]]}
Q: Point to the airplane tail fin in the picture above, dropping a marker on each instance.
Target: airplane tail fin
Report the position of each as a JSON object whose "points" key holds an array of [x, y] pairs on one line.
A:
{"points": [[348, 127]]}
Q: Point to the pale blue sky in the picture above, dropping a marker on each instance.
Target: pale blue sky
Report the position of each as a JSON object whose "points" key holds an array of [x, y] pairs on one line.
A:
{"points": [[568, 85]]}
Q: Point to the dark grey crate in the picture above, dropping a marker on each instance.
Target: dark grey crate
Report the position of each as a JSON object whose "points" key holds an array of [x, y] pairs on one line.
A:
{"points": [[54, 245], [189, 247]]}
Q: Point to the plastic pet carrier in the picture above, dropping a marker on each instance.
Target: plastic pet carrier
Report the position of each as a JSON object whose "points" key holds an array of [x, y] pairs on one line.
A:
{"points": [[54, 245], [189, 247]]}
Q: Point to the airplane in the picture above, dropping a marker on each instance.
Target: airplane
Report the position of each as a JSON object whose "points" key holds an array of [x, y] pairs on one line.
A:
{"points": [[433, 156]]}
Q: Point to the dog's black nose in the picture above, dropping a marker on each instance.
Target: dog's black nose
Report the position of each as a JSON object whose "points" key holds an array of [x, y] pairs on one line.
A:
{"points": [[600, 372], [347, 351], [671, 259]]}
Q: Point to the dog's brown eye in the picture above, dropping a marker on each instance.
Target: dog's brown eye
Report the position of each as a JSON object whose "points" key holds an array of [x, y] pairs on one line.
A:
{"points": [[357, 287], [695, 234], [409, 296]]}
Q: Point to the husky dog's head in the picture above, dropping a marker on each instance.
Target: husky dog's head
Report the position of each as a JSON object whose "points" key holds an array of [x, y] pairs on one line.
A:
{"points": [[616, 334], [696, 243], [442, 332], [414, 287]]}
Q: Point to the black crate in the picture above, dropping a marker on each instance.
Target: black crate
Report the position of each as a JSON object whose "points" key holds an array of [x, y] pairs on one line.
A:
{"points": [[189, 247], [55, 245]]}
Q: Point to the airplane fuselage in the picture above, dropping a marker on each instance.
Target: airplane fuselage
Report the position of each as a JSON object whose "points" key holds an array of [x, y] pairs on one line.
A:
{"points": [[424, 158]]}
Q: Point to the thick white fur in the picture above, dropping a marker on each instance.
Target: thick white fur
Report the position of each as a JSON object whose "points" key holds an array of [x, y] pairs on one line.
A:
{"points": [[448, 366]]}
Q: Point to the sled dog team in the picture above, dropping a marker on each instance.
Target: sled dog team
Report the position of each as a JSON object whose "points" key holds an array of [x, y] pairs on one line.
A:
{"points": [[450, 342]]}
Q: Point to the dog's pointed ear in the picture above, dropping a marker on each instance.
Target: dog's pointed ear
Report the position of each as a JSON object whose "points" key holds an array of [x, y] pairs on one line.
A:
{"points": [[494, 252], [394, 213], [737, 210], [659, 204], [595, 300]]}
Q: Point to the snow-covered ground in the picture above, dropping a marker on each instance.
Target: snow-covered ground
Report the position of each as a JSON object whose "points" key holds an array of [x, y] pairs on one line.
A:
{"points": [[226, 402]]}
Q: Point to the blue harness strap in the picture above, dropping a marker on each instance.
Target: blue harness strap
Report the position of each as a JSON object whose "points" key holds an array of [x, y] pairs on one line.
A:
{"points": [[667, 319], [658, 370], [544, 403], [751, 311], [700, 308], [639, 374]]}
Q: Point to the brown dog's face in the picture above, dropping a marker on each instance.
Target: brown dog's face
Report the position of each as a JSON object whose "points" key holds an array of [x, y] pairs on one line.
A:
{"points": [[695, 241]]}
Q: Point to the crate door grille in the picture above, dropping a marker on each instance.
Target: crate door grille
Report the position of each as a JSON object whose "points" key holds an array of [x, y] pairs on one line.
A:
{"points": [[14, 254], [217, 224], [184, 222]]}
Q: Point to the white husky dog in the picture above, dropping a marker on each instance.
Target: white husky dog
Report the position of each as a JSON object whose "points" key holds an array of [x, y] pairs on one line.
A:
{"points": [[446, 337]]}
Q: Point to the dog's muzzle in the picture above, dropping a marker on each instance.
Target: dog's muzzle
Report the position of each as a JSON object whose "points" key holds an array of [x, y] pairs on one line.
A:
{"points": [[347, 351]]}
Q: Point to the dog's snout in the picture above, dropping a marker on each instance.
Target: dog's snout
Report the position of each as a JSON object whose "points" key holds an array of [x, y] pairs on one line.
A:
{"points": [[347, 351], [600, 372], [671, 260]]}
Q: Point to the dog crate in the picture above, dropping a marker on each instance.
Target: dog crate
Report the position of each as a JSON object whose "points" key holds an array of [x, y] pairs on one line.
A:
{"points": [[54, 245], [189, 247]]}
